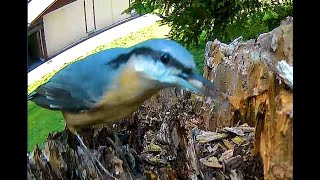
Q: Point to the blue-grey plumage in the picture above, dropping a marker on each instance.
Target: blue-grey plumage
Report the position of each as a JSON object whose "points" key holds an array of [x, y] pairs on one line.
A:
{"points": [[173, 48], [113, 83]]}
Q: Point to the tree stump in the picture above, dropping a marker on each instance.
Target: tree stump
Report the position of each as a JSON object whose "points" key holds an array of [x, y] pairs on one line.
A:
{"points": [[258, 77]]}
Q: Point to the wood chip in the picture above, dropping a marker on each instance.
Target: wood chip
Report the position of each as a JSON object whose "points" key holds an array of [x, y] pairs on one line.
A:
{"points": [[226, 155], [212, 149], [238, 140], [235, 130], [211, 162], [244, 125], [246, 129], [208, 136], [222, 147], [227, 144], [233, 162]]}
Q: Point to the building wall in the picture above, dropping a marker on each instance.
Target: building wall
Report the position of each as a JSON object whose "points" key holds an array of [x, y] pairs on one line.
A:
{"points": [[72, 22], [118, 6], [103, 13], [64, 26], [108, 12]]}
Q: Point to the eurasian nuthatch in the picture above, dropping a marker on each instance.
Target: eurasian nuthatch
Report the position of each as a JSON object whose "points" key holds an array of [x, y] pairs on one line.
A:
{"points": [[112, 83]]}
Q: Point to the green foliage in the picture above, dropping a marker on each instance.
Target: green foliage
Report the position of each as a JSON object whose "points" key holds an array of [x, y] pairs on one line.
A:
{"points": [[198, 52], [249, 27], [222, 19], [275, 13]]}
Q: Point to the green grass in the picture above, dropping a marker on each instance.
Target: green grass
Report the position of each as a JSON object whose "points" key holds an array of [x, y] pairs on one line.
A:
{"points": [[41, 121]]}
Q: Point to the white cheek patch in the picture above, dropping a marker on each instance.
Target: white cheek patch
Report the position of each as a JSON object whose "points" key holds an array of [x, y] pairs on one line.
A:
{"points": [[147, 66], [156, 70], [196, 83], [136, 63], [175, 71]]}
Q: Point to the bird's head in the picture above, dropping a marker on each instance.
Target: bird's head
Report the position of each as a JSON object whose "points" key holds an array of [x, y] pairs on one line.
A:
{"points": [[168, 64]]}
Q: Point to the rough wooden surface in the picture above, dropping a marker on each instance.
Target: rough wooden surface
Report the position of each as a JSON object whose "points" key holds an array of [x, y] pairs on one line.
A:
{"points": [[179, 135], [258, 77], [159, 141]]}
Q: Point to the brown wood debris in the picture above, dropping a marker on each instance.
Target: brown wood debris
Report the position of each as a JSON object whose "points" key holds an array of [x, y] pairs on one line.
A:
{"points": [[218, 161]]}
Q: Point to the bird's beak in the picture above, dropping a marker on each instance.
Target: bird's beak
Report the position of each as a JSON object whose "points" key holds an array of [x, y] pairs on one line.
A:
{"points": [[198, 84]]}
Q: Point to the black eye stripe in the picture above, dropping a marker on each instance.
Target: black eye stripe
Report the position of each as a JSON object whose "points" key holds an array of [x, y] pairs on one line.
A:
{"points": [[165, 57], [187, 70]]}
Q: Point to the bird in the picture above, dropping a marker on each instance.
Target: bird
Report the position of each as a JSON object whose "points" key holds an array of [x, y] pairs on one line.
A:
{"points": [[113, 83]]}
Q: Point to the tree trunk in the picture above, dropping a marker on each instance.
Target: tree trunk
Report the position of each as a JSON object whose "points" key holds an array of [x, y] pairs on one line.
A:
{"points": [[258, 77]]}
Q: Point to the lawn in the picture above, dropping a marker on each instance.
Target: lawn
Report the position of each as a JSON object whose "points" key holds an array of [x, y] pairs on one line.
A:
{"points": [[41, 121]]}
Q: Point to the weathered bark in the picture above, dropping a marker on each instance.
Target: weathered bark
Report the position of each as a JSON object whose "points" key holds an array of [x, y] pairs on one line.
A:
{"points": [[258, 76], [179, 135]]}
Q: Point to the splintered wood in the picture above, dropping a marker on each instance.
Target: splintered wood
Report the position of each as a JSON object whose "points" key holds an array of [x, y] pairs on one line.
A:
{"points": [[226, 154], [160, 141], [257, 75]]}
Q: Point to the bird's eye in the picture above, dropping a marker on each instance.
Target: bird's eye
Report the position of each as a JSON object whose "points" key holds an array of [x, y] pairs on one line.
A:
{"points": [[165, 58]]}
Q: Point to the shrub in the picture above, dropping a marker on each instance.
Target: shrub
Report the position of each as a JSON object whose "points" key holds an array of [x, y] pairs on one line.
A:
{"points": [[222, 19]]}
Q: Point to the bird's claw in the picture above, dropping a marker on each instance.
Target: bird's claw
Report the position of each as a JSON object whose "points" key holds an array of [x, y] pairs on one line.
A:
{"points": [[116, 144], [106, 172]]}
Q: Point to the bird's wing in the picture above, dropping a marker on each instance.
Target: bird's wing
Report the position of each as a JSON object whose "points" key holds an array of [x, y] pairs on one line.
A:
{"points": [[56, 97], [80, 85]]}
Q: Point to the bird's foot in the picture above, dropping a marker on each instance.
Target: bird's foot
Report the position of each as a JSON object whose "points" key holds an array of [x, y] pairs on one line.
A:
{"points": [[116, 144], [128, 156], [105, 171]]}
